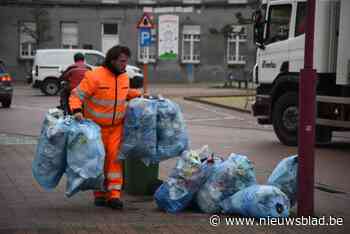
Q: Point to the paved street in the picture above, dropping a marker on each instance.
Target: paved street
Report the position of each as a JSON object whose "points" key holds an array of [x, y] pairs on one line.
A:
{"points": [[26, 208]]}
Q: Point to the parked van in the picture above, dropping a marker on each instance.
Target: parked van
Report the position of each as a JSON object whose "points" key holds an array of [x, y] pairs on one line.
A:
{"points": [[50, 63]]}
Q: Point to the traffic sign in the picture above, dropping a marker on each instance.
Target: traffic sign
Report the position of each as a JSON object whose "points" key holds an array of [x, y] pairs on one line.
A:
{"points": [[145, 37], [145, 21]]}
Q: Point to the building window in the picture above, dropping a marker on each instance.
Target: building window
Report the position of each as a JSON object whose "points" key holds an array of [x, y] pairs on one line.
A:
{"points": [[69, 35], [148, 53], [147, 2], [191, 1], [191, 36], [110, 36], [27, 46], [237, 1], [235, 40], [110, 1]]}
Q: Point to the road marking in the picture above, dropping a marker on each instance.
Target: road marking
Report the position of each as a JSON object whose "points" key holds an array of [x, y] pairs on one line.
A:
{"points": [[200, 106]]}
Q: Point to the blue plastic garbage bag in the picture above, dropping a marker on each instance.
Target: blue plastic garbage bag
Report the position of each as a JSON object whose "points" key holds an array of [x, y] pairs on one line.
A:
{"points": [[230, 176], [209, 161], [154, 130], [284, 177], [185, 179], [172, 198], [49, 163], [139, 136], [259, 201], [85, 157], [172, 137]]}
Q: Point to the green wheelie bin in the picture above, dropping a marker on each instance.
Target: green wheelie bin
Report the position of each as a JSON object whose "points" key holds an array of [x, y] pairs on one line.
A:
{"points": [[140, 179]]}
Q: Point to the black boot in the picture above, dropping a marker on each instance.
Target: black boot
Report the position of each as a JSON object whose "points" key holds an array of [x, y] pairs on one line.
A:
{"points": [[115, 203], [100, 201]]}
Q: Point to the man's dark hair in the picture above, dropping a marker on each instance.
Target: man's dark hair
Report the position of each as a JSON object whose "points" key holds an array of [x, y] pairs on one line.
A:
{"points": [[115, 52], [78, 57]]}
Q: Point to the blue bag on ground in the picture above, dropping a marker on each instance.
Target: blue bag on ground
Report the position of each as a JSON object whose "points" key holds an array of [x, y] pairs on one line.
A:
{"points": [[85, 157], [50, 159], [176, 193], [139, 136], [284, 177], [172, 137], [230, 176], [259, 201]]}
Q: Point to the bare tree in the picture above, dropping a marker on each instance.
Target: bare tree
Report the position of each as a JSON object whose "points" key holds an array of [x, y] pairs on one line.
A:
{"points": [[41, 32]]}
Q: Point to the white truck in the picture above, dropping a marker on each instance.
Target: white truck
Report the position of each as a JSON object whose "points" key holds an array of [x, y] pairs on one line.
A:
{"points": [[280, 39]]}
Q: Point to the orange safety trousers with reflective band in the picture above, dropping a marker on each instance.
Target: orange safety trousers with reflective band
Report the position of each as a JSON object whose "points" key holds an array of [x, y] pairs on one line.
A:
{"points": [[111, 137], [102, 96]]}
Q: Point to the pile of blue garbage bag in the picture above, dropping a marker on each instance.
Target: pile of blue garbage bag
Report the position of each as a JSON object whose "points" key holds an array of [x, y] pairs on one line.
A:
{"points": [[232, 175], [70, 147], [154, 130], [228, 186]]}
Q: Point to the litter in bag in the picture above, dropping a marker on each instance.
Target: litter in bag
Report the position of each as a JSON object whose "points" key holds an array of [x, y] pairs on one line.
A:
{"points": [[209, 160], [259, 201], [154, 130], [230, 176], [85, 157], [284, 177], [176, 193], [49, 163], [172, 137], [140, 136]]}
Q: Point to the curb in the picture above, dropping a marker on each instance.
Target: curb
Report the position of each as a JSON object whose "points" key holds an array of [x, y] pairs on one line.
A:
{"points": [[197, 99]]}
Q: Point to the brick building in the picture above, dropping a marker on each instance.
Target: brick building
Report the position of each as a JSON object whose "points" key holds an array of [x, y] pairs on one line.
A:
{"points": [[212, 39]]}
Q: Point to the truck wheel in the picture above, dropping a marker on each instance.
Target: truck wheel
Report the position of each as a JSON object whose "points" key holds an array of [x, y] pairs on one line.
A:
{"points": [[285, 118], [6, 103], [50, 87]]}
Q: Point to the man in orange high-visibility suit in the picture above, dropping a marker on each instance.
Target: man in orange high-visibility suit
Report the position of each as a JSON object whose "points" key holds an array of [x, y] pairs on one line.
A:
{"points": [[101, 96]]}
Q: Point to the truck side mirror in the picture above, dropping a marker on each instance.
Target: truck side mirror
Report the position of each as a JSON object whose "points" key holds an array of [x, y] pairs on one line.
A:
{"points": [[259, 24]]}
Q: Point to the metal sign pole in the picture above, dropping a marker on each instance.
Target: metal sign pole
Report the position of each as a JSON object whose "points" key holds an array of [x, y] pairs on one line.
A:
{"points": [[307, 106], [145, 71], [144, 25]]}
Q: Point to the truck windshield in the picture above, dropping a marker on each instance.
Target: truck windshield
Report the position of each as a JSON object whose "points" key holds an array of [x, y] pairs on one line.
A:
{"points": [[278, 23]]}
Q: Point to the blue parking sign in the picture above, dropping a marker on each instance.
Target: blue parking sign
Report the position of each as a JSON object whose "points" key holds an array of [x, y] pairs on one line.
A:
{"points": [[145, 37]]}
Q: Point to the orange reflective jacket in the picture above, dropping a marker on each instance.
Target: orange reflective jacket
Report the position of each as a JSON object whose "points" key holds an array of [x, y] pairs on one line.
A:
{"points": [[103, 96]]}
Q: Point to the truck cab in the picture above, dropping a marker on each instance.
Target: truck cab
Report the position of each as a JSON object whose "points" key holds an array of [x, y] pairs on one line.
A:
{"points": [[280, 37]]}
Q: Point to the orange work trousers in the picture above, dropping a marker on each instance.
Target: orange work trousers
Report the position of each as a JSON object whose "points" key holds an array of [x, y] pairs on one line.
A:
{"points": [[113, 168]]}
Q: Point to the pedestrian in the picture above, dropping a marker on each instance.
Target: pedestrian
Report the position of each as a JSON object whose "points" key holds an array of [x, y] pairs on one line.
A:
{"points": [[101, 97], [70, 79]]}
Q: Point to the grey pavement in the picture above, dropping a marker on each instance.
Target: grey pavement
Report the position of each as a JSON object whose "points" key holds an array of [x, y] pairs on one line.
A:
{"points": [[27, 208]]}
